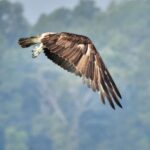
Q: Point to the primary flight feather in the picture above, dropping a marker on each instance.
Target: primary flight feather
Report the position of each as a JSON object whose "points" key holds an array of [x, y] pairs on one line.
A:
{"points": [[77, 54]]}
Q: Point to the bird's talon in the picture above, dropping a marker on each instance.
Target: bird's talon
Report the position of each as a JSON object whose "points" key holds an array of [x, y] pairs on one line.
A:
{"points": [[34, 56]]}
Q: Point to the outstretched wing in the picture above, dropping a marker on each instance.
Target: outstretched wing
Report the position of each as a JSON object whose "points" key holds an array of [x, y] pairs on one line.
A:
{"points": [[77, 54]]}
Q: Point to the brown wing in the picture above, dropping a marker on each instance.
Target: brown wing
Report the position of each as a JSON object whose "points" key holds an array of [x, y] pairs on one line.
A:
{"points": [[78, 55]]}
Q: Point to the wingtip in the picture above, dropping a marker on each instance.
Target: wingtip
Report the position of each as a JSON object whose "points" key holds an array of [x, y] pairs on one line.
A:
{"points": [[113, 107], [121, 106], [120, 96], [118, 104]]}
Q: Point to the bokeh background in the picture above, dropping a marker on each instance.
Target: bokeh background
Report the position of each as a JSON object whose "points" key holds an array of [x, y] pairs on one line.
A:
{"points": [[42, 107]]}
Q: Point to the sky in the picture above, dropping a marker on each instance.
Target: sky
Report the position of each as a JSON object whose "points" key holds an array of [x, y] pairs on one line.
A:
{"points": [[34, 8]]}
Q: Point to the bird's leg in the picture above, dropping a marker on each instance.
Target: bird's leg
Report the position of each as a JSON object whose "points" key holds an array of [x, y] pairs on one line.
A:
{"points": [[37, 50]]}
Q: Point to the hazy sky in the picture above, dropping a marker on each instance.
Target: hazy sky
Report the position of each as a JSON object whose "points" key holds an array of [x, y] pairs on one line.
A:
{"points": [[34, 8]]}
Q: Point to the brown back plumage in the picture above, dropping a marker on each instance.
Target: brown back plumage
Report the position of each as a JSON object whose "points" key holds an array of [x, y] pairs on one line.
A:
{"points": [[77, 54]]}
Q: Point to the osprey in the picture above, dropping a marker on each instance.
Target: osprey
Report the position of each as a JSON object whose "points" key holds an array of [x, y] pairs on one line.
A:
{"points": [[76, 54]]}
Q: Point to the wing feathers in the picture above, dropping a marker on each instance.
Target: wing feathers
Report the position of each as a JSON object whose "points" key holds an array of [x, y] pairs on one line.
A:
{"points": [[113, 84], [77, 54], [82, 64], [77, 58], [107, 93]]}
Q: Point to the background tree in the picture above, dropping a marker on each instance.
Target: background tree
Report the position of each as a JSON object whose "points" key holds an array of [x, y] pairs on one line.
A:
{"points": [[13, 24], [86, 9]]}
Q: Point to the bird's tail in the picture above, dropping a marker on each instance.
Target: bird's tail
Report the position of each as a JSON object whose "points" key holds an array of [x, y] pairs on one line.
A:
{"points": [[29, 41]]}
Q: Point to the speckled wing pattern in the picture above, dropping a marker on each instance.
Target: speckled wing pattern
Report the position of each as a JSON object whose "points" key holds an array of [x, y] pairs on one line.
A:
{"points": [[77, 54]]}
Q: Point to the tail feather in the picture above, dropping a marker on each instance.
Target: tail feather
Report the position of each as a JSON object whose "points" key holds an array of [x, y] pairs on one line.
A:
{"points": [[27, 42]]}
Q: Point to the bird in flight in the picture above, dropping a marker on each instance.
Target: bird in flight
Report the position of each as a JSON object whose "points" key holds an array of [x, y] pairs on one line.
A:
{"points": [[76, 54]]}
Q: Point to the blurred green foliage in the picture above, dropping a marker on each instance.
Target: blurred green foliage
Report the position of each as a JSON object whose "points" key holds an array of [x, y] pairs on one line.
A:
{"points": [[43, 107]]}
